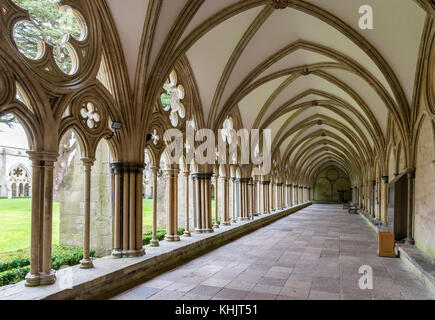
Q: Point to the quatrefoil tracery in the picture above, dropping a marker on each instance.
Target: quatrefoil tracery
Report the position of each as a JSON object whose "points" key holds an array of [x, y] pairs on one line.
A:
{"points": [[227, 130], [171, 100], [89, 114]]}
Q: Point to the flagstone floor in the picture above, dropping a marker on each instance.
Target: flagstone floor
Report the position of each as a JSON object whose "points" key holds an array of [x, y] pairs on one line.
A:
{"points": [[315, 253]]}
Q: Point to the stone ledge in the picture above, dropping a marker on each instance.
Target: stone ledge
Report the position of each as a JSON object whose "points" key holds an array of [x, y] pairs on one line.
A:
{"points": [[367, 218], [419, 263], [111, 276]]}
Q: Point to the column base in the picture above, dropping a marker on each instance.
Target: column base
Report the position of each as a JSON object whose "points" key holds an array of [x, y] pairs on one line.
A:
{"points": [[136, 253], [47, 278], [172, 237], [32, 280], [154, 243], [243, 218], [409, 241], [187, 234], [234, 220], [116, 253], [86, 264], [204, 230], [226, 223], [216, 225]]}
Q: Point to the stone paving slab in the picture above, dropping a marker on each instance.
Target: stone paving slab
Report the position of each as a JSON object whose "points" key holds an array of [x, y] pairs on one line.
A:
{"points": [[313, 254]]}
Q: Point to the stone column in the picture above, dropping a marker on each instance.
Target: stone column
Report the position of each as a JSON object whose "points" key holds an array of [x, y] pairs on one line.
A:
{"points": [[128, 210], [47, 276], [234, 201], [384, 199], [33, 277], [373, 198], [216, 199], [266, 196], [86, 262], [154, 242], [202, 183], [300, 191], [186, 204], [117, 218], [278, 195], [251, 199], [171, 176], [225, 200], [409, 235]]}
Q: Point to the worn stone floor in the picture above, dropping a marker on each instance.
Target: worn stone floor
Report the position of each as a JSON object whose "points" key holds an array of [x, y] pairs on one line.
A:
{"points": [[315, 253]]}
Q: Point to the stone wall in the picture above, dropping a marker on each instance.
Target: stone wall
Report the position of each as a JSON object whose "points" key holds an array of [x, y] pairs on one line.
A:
{"points": [[328, 182], [424, 220], [10, 158], [72, 203]]}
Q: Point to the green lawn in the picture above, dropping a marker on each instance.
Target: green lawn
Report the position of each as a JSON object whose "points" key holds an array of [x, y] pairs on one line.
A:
{"points": [[15, 218], [147, 215]]}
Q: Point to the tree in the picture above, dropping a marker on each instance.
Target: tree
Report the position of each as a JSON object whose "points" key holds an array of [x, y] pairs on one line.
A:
{"points": [[49, 23], [8, 120]]}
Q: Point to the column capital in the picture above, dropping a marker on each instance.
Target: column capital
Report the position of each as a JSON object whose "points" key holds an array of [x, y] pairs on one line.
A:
{"points": [[301, 187], [373, 182], [295, 186], [118, 167], [171, 171], [201, 175], [279, 184], [410, 172], [42, 156], [289, 185], [88, 161], [264, 181], [384, 179]]}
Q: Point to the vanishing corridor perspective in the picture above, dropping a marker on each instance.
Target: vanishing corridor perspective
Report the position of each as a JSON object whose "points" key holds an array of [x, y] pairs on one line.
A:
{"points": [[115, 116], [315, 253]]}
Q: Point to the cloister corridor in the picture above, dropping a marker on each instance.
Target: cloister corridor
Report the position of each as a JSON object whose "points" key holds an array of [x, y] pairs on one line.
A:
{"points": [[314, 253]]}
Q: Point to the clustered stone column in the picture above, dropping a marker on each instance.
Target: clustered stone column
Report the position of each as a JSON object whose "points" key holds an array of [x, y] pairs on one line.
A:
{"points": [[410, 173], [251, 196], [225, 200], [216, 203], [265, 200], [154, 242], [234, 200], [171, 176], [202, 202], [186, 204], [41, 222], [128, 210], [373, 197], [385, 194]]}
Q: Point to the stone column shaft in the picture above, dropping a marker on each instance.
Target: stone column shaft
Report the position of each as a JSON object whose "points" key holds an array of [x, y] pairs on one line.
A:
{"points": [[86, 262], [172, 205], [154, 242]]}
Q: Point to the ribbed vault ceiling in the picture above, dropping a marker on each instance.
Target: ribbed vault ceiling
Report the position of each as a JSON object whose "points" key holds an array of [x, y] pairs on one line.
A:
{"points": [[324, 87]]}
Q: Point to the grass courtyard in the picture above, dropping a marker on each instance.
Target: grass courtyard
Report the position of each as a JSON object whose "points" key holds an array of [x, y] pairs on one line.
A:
{"points": [[15, 218]]}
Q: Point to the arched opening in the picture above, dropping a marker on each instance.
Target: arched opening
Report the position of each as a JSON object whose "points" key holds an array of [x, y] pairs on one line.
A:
{"points": [[15, 194], [69, 186]]}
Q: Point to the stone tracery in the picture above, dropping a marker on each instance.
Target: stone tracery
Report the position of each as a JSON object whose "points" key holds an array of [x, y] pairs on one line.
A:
{"points": [[314, 130]]}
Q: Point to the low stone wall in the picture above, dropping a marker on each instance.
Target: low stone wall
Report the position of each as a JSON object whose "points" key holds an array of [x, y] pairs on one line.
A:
{"points": [[126, 273]]}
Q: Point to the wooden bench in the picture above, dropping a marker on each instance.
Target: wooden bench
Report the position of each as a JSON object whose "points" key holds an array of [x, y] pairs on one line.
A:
{"points": [[353, 208]]}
